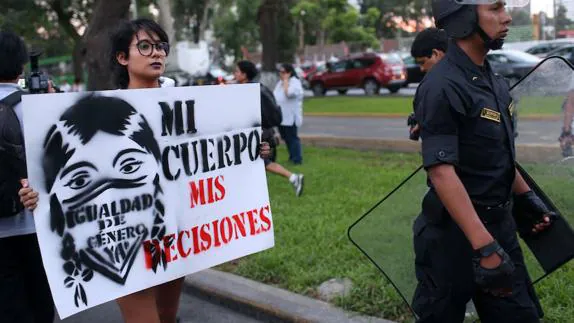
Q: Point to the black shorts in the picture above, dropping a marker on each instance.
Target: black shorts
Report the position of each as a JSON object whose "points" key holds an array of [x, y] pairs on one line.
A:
{"points": [[24, 291], [443, 262]]}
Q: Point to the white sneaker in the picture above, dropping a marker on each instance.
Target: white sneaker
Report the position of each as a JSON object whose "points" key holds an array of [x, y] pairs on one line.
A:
{"points": [[298, 184]]}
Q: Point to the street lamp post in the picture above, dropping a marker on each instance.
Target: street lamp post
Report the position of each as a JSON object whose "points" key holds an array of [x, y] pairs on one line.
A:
{"points": [[301, 31], [301, 35]]}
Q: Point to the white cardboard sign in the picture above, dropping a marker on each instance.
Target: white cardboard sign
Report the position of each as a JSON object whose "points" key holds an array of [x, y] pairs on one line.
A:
{"points": [[140, 187]]}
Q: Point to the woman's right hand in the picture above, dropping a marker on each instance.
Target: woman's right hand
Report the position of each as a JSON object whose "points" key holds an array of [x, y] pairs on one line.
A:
{"points": [[28, 196]]}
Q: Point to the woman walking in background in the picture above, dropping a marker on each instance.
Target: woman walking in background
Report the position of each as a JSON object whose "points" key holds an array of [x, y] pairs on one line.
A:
{"points": [[289, 96]]}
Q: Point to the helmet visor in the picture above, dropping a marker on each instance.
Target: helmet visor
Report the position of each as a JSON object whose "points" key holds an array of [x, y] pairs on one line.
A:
{"points": [[507, 3]]}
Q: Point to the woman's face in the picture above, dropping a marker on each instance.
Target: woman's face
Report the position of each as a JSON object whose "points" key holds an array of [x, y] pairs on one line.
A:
{"points": [[90, 183], [240, 77], [146, 57], [284, 74]]}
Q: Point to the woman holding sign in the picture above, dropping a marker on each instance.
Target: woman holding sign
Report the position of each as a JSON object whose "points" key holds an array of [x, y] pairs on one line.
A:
{"points": [[139, 51]]}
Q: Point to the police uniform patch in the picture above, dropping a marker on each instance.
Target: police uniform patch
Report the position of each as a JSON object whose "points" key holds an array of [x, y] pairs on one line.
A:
{"points": [[490, 115], [511, 108]]}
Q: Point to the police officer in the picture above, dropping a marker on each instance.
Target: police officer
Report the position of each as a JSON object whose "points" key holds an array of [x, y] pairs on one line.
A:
{"points": [[428, 48], [465, 238]]}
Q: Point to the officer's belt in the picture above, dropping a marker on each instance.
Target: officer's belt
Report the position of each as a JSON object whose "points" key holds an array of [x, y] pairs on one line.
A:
{"points": [[489, 214]]}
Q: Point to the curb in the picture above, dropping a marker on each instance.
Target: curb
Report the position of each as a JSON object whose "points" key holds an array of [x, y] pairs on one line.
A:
{"points": [[264, 302], [534, 117], [524, 152]]}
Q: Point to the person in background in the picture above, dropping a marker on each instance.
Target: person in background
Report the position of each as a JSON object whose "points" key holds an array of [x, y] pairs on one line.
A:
{"points": [[25, 295], [246, 72], [429, 48], [78, 86], [289, 96], [65, 86]]}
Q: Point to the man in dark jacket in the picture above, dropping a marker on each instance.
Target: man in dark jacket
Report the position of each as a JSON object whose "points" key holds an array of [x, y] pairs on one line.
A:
{"points": [[24, 292], [246, 72]]}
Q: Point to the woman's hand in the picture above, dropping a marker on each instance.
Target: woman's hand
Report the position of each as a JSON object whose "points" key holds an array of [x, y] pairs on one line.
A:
{"points": [[28, 196], [265, 151]]}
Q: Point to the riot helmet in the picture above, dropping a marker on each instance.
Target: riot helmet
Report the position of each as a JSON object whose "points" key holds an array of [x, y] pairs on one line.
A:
{"points": [[459, 18]]}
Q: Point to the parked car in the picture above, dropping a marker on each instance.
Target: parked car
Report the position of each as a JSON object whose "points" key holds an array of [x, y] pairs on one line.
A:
{"points": [[512, 64], [414, 73], [543, 50], [369, 71], [566, 51]]}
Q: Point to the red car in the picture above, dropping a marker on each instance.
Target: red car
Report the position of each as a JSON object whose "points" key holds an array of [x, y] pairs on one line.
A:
{"points": [[369, 71]]}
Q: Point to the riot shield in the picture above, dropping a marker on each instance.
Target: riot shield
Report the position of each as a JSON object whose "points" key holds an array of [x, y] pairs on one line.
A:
{"points": [[385, 233]]}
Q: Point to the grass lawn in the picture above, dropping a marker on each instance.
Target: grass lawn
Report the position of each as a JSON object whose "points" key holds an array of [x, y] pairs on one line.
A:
{"points": [[312, 246], [345, 105], [359, 104]]}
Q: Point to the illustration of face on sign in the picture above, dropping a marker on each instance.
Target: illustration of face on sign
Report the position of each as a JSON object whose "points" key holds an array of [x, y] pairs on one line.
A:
{"points": [[101, 170]]}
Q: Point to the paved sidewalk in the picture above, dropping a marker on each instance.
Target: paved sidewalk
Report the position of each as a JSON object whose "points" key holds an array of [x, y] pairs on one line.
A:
{"points": [[266, 303]]}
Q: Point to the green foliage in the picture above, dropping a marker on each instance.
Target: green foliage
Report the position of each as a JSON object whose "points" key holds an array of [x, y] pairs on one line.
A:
{"points": [[37, 25], [188, 15], [235, 25], [344, 26], [562, 20], [338, 20], [287, 36]]}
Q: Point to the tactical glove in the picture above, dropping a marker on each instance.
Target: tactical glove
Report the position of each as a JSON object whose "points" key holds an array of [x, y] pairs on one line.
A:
{"points": [[528, 211], [497, 281]]}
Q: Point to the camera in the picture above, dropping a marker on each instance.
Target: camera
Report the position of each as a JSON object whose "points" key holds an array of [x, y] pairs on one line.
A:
{"points": [[412, 122], [37, 82]]}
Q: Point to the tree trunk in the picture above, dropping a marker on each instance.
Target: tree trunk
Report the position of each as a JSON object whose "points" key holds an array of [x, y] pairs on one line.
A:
{"points": [[204, 19], [64, 20], [78, 60], [267, 16], [107, 14], [166, 21]]}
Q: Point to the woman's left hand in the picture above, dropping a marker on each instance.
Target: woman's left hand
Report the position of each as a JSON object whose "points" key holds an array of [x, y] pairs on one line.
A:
{"points": [[265, 150]]}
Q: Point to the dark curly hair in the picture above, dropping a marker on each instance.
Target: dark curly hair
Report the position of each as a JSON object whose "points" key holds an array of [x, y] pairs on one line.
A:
{"points": [[121, 40], [13, 56]]}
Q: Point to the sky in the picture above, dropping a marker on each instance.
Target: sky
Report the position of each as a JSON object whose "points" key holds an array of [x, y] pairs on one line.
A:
{"points": [[535, 5], [542, 5]]}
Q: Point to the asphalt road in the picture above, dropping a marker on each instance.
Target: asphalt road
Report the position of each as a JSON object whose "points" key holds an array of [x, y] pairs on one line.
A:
{"points": [[530, 132], [191, 309]]}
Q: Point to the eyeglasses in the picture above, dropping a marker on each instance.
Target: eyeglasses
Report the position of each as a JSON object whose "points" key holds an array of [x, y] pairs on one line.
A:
{"points": [[145, 47]]}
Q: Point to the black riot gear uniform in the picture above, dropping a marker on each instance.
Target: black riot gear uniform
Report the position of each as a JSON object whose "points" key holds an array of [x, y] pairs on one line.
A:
{"points": [[465, 113]]}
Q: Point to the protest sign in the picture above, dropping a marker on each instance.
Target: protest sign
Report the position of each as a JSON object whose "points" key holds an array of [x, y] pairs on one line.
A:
{"points": [[140, 187]]}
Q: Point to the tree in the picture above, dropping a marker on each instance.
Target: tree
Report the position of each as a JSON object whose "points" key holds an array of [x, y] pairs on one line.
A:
{"points": [[520, 18], [389, 10], [236, 26], [562, 20], [66, 11], [286, 41], [47, 25], [345, 26], [192, 17], [267, 18], [107, 14]]}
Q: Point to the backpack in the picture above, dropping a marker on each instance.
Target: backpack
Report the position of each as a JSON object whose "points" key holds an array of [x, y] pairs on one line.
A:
{"points": [[271, 115], [12, 156]]}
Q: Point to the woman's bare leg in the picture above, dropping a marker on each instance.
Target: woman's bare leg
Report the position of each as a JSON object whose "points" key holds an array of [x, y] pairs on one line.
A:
{"points": [[167, 299], [278, 169], [139, 307]]}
